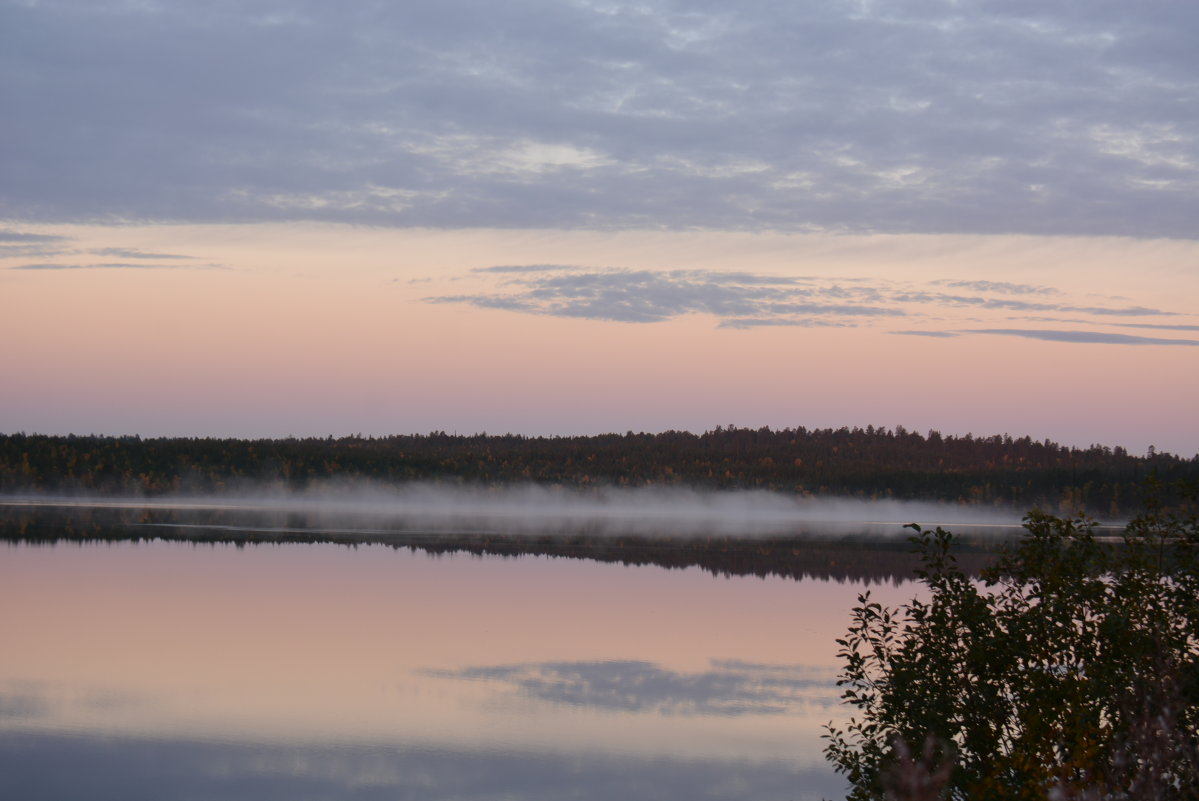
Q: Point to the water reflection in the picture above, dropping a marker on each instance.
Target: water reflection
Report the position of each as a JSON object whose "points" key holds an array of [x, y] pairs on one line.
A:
{"points": [[34, 768], [730, 688], [171, 670], [22, 706]]}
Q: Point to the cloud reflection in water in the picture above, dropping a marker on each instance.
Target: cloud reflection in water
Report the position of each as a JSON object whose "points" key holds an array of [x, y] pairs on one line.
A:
{"points": [[729, 688]]}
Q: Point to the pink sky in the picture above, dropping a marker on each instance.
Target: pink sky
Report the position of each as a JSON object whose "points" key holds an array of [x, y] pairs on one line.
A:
{"points": [[307, 329]]}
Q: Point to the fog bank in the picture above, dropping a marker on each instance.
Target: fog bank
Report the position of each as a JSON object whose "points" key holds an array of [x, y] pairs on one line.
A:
{"points": [[536, 509]]}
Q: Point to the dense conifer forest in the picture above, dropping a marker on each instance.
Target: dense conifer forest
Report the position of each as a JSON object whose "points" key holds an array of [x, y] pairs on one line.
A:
{"points": [[868, 463]]}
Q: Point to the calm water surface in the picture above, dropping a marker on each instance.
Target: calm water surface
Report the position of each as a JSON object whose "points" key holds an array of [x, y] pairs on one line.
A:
{"points": [[169, 670]]}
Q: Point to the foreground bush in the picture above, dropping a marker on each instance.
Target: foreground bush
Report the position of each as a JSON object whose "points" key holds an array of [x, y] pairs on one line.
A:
{"points": [[1070, 672]]}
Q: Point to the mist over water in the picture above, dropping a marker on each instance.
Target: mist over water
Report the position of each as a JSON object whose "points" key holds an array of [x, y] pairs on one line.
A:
{"points": [[663, 511]]}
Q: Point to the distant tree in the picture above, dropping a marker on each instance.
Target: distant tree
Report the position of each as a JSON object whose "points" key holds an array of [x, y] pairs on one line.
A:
{"points": [[1070, 672]]}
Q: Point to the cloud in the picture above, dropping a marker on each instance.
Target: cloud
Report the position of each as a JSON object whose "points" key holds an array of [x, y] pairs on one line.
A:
{"points": [[24, 237], [934, 334], [942, 299], [988, 118], [114, 266], [22, 244], [766, 322], [834, 309], [8, 251], [742, 299], [1163, 327], [489, 302], [730, 688], [132, 253], [1002, 287], [1089, 337], [28, 245]]}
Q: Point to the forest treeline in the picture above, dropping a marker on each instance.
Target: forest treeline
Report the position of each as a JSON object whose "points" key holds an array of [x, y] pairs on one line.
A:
{"points": [[870, 463]]}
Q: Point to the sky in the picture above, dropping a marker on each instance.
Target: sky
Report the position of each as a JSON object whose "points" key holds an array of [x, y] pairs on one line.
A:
{"points": [[273, 218]]}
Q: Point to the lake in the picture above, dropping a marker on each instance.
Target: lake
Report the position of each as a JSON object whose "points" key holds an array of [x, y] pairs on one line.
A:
{"points": [[262, 669]]}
